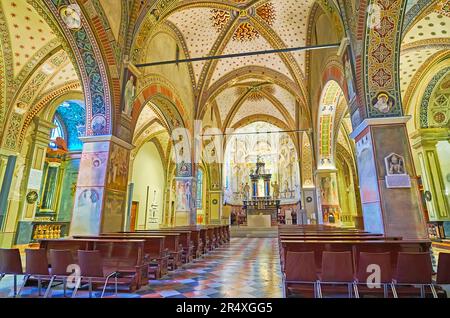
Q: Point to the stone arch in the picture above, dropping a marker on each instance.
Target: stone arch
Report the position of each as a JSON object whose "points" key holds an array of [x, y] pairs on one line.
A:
{"points": [[173, 107], [95, 76], [51, 100], [427, 96], [331, 98]]}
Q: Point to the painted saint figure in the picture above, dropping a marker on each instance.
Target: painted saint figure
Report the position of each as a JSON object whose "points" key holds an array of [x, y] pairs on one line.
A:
{"points": [[383, 103], [130, 93], [247, 191]]}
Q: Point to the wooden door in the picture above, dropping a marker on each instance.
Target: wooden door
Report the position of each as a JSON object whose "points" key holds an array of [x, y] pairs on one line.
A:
{"points": [[134, 213]]}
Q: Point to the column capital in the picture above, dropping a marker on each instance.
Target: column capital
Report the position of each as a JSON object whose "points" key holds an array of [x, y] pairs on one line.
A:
{"points": [[110, 138], [325, 171], [429, 137], [369, 122]]}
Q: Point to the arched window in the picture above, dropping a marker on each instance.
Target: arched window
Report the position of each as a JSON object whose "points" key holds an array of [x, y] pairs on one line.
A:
{"points": [[58, 131]]}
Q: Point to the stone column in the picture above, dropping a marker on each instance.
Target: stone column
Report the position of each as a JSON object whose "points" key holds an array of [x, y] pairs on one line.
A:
{"points": [[185, 211], [7, 165], [326, 180], [391, 208], [100, 198], [35, 167], [424, 143]]}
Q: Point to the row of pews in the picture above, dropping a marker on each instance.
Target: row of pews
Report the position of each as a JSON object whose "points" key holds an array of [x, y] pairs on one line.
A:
{"points": [[300, 240], [145, 254]]}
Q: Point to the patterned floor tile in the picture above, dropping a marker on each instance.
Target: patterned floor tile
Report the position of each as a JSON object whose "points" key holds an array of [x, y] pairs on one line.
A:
{"points": [[243, 268]]}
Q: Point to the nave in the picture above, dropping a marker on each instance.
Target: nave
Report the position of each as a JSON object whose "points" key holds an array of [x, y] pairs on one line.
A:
{"points": [[243, 268]]}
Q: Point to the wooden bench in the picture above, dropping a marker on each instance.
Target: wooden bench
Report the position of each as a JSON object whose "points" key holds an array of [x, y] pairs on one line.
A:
{"points": [[155, 252], [123, 256], [354, 246], [172, 240], [185, 240]]}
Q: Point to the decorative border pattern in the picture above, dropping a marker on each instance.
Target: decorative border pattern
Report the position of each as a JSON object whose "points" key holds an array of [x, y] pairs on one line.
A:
{"points": [[93, 72], [427, 95], [381, 56]]}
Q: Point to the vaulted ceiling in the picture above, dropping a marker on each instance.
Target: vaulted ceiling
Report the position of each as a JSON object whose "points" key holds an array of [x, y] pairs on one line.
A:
{"points": [[34, 60], [424, 40], [242, 87]]}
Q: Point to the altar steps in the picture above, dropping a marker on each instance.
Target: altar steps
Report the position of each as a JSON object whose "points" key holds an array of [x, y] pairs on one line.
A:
{"points": [[244, 231]]}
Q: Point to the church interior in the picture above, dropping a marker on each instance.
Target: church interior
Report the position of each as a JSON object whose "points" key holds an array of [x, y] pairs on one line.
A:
{"points": [[224, 149]]}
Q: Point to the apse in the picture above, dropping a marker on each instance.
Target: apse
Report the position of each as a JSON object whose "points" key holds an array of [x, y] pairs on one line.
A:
{"points": [[261, 142]]}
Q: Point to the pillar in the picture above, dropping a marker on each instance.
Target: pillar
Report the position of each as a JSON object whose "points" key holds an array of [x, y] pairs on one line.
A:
{"points": [[7, 165], [424, 143], [35, 168], [267, 186], [328, 196], [389, 188], [100, 197]]}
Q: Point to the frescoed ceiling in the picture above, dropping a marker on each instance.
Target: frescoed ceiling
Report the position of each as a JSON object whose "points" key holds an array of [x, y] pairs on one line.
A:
{"points": [[212, 28], [228, 27], [34, 64], [251, 97], [28, 32], [423, 40]]}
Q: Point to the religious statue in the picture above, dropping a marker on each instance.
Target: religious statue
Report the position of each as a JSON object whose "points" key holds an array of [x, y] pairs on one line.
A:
{"points": [[241, 190], [130, 93], [395, 165], [276, 190], [247, 191]]}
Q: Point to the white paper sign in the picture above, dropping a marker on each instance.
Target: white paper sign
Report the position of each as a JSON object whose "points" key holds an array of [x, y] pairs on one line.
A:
{"points": [[35, 179]]}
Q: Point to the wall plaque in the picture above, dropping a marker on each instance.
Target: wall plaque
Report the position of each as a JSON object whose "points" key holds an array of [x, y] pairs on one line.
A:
{"points": [[396, 173]]}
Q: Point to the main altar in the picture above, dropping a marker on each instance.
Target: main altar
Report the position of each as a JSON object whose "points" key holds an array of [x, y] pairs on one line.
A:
{"points": [[261, 207]]}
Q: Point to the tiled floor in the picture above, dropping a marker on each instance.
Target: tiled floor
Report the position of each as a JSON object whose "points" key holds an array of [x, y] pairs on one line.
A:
{"points": [[244, 268]]}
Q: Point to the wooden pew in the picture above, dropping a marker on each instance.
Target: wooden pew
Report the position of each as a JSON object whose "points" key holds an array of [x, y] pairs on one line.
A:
{"points": [[123, 256], [186, 240], [354, 246], [172, 240], [156, 254]]}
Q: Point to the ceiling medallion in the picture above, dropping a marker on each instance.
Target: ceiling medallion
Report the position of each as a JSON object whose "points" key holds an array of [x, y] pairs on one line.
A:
{"points": [[443, 7], [245, 30], [255, 93]]}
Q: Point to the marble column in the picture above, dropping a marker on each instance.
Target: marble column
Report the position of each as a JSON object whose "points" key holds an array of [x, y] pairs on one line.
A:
{"points": [[424, 143], [390, 196], [100, 198]]}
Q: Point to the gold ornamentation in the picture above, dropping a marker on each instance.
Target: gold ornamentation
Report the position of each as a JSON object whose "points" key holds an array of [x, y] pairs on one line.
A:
{"points": [[245, 30]]}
